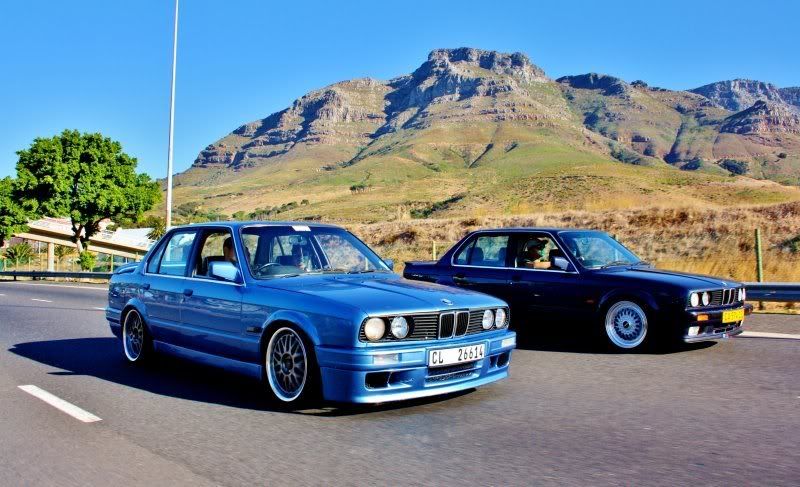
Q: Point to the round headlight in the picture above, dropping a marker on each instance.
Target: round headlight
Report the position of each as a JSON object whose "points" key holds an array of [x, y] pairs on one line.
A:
{"points": [[694, 299], [500, 318], [488, 319], [742, 294], [399, 327], [374, 329], [706, 298]]}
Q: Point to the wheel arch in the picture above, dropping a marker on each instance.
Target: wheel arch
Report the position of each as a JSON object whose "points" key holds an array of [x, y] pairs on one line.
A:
{"points": [[296, 320], [642, 298]]}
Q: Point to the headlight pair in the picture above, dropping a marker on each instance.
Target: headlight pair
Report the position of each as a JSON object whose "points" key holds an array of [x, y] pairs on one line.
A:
{"points": [[375, 328], [494, 317], [696, 298]]}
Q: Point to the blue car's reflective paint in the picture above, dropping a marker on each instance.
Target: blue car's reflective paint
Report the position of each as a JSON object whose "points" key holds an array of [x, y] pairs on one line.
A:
{"points": [[225, 324]]}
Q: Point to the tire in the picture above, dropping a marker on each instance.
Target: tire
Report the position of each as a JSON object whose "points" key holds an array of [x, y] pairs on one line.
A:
{"points": [[136, 343], [626, 326], [290, 369]]}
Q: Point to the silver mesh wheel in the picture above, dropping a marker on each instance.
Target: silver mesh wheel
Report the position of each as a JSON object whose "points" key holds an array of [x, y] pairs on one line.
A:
{"points": [[133, 336], [287, 364], [626, 324]]}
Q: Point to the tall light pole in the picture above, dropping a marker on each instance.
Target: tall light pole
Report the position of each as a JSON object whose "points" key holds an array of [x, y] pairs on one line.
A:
{"points": [[172, 120]]}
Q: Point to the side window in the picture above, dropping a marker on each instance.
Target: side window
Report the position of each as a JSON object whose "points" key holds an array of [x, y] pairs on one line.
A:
{"points": [[176, 254], [536, 251], [485, 251], [155, 259], [217, 246]]}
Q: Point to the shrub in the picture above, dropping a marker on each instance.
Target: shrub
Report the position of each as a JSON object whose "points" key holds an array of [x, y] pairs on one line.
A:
{"points": [[20, 253], [86, 260]]}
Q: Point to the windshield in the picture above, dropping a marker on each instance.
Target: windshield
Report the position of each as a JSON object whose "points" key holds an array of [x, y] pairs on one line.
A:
{"points": [[281, 251], [595, 250]]}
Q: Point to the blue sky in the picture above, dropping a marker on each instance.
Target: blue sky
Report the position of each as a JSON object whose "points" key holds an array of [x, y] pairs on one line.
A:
{"points": [[105, 65]]}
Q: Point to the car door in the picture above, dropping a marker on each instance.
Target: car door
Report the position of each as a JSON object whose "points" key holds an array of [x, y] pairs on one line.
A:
{"points": [[165, 279], [211, 316], [542, 290], [480, 264]]}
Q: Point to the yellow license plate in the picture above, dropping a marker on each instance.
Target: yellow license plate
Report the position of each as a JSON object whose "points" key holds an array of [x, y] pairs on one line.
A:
{"points": [[733, 316]]}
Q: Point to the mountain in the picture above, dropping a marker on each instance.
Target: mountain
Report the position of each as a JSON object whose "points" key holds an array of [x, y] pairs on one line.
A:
{"points": [[474, 131]]}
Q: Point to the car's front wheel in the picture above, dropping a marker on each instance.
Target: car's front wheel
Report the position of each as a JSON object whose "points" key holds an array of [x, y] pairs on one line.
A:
{"points": [[626, 326], [290, 368], [135, 338]]}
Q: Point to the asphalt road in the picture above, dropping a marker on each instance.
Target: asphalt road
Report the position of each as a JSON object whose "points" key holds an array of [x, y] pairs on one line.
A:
{"points": [[727, 413]]}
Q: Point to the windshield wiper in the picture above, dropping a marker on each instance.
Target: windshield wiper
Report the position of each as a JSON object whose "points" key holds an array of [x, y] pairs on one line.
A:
{"points": [[643, 262], [616, 262], [365, 271]]}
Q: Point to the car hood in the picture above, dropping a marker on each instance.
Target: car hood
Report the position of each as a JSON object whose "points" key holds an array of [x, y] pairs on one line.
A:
{"points": [[384, 293], [673, 278]]}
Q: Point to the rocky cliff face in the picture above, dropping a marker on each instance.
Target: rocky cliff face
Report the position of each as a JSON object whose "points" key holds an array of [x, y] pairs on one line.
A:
{"points": [[482, 105], [452, 86], [740, 94], [762, 118]]}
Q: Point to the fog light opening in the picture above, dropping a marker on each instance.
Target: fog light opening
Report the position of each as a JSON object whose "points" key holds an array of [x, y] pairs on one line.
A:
{"points": [[502, 359], [694, 331], [377, 380]]}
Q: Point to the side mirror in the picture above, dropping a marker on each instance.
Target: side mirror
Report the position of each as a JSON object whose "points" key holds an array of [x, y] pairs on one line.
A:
{"points": [[561, 263], [389, 263], [224, 271]]}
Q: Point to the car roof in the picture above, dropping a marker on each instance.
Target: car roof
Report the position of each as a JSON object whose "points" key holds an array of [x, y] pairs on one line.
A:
{"points": [[536, 229], [271, 223]]}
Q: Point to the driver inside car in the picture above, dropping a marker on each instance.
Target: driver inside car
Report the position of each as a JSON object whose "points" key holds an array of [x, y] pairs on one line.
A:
{"points": [[227, 250], [532, 253]]}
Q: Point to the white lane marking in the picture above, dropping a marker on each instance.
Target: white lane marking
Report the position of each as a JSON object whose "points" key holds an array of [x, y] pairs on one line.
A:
{"points": [[763, 334], [101, 309], [1, 294], [41, 300], [60, 404], [93, 288]]}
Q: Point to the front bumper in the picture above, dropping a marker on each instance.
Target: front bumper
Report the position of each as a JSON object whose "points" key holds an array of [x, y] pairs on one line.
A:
{"points": [[401, 372], [712, 328]]}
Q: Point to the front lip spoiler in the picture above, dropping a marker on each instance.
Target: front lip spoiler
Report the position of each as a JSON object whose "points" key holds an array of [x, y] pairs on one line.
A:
{"points": [[712, 336]]}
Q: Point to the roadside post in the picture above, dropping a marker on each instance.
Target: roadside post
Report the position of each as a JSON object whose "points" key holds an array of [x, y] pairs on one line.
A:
{"points": [[759, 263]]}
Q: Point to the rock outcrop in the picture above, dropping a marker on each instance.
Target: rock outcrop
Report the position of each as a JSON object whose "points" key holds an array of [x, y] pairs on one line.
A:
{"points": [[763, 117]]}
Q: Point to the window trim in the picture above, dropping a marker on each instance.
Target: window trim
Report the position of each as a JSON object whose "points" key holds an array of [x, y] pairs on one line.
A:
{"points": [[198, 229], [479, 233], [244, 227]]}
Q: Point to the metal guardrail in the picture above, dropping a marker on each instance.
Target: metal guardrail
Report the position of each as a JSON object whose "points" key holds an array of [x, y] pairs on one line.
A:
{"points": [[779, 292], [63, 275]]}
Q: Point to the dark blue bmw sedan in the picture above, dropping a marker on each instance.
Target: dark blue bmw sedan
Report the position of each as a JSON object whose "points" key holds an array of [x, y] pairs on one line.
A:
{"points": [[310, 310], [586, 282]]}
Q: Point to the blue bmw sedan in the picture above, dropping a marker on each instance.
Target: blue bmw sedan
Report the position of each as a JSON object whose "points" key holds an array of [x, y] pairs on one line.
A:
{"points": [[310, 310]]}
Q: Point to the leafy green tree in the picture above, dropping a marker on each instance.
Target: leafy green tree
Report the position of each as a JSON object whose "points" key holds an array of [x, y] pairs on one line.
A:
{"points": [[13, 217], [85, 177], [62, 251], [86, 260], [159, 228], [20, 253]]}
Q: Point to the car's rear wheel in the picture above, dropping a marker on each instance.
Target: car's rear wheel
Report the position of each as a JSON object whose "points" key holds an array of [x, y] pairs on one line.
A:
{"points": [[135, 338], [290, 368], [626, 325]]}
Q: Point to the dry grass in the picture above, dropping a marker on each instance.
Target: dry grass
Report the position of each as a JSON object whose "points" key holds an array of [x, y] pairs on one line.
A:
{"points": [[706, 241]]}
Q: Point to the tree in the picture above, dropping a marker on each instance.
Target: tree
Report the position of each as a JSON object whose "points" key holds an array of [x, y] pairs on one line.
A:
{"points": [[20, 253], [85, 177], [61, 252], [12, 216]]}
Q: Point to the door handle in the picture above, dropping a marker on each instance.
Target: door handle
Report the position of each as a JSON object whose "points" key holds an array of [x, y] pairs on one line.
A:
{"points": [[515, 279], [460, 279], [188, 292], [146, 286]]}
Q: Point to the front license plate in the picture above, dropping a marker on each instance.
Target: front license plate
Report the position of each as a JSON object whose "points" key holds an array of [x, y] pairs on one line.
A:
{"points": [[450, 356], [733, 316]]}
